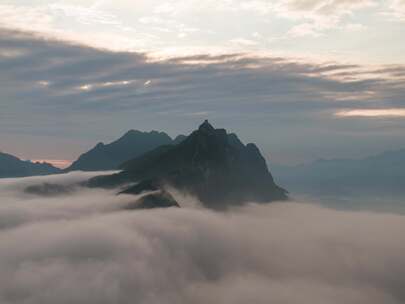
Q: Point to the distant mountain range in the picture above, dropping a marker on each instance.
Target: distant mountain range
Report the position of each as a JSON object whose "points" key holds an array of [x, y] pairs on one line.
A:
{"points": [[217, 167], [111, 156], [211, 164], [102, 157], [11, 166], [380, 174]]}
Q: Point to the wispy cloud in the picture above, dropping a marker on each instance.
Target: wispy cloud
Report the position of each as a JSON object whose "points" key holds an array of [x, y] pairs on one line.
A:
{"points": [[373, 113], [397, 9], [60, 88], [86, 15], [180, 26], [318, 16]]}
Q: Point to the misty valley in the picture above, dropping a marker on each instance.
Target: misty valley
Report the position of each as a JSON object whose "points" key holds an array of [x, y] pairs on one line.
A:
{"points": [[198, 219], [202, 152]]}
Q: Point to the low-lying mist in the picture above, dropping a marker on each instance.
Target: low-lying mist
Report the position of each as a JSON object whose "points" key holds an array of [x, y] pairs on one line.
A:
{"points": [[82, 247]]}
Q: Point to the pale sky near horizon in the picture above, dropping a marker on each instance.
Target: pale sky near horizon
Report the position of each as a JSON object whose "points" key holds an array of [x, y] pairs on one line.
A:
{"points": [[303, 79], [361, 31]]}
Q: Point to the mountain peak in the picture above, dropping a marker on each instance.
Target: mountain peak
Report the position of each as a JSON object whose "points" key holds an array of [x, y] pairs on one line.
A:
{"points": [[99, 145], [215, 167], [131, 133], [109, 156], [206, 127]]}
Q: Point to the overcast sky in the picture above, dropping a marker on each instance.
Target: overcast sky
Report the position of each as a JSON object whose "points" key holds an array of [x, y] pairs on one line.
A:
{"points": [[302, 79]]}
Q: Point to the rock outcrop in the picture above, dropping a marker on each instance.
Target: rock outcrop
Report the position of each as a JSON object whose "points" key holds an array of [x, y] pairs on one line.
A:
{"points": [[211, 164]]}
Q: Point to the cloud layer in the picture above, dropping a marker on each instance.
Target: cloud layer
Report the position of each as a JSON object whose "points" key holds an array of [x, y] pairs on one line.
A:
{"points": [[70, 96], [90, 252], [188, 25]]}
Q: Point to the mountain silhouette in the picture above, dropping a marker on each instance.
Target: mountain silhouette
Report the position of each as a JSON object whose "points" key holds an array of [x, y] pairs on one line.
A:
{"points": [[110, 156], [382, 174], [211, 164], [11, 166], [160, 199]]}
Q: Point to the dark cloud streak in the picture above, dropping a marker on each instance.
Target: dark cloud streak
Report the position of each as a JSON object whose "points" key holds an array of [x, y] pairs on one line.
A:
{"points": [[42, 78]]}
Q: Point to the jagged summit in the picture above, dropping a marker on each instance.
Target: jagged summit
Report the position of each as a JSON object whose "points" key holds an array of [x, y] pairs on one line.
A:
{"points": [[206, 127], [131, 133], [210, 163]]}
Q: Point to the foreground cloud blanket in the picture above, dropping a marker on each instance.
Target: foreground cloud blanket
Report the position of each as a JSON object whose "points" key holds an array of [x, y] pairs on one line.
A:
{"points": [[83, 248]]}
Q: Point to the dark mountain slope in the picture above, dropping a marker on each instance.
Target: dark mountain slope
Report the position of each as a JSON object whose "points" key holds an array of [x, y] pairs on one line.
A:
{"points": [[11, 166], [216, 167], [110, 156]]}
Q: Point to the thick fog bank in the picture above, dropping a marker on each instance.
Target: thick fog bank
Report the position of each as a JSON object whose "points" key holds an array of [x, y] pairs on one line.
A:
{"points": [[82, 248]]}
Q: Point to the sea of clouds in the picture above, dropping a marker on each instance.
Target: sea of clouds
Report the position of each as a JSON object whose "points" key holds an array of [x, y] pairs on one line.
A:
{"points": [[84, 247]]}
